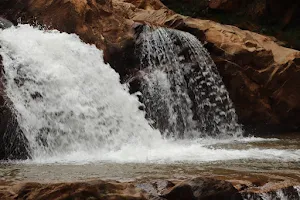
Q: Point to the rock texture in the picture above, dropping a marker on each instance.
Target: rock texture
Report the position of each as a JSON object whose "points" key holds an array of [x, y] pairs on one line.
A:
{"points": [[261, 76], [202, 189], [199, 188], [81, 190]]}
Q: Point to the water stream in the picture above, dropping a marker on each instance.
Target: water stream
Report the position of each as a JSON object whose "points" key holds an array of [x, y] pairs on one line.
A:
{"points": [[182, 89]]}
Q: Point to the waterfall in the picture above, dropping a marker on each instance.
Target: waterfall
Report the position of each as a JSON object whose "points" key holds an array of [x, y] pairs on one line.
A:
{"points": [[182, 89], [64, 96], [71, 106]]}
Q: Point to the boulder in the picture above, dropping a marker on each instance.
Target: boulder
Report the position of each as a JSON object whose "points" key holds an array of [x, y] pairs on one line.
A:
{"points": [[91, 190], [204, 189], [260, 75], [4, 23]]}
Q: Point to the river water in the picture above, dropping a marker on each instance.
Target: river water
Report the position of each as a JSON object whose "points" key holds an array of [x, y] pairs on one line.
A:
{"points": [[285, 165]]}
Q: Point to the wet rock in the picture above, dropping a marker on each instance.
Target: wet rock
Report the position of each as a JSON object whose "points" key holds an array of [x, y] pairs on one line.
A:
{"points": [[202, 188], [90, 190], [259, 74], [155, 188], [192, 189], [4, 23]]}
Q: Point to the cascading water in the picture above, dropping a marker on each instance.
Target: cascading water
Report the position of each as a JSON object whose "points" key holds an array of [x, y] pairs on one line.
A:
{"points": [[72, 107], [66, 99], [182, 90]]}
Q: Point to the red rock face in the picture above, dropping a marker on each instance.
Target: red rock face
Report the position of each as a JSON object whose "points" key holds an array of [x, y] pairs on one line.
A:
{"points": [[261, 76]]}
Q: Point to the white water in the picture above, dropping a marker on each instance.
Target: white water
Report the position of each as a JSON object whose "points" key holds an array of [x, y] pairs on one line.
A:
{"points": [[73, 109], [297, 188], [182, 89]]}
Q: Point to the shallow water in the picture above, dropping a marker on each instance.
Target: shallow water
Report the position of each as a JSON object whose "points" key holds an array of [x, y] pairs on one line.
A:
{"points": [[282, 165]]}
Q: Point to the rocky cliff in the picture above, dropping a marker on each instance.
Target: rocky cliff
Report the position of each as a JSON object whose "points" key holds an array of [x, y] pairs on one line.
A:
{"points": [[262, 77], [276, 18]]}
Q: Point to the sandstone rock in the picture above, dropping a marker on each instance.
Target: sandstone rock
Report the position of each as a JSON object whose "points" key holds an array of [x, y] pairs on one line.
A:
{"points": [[196, 188], [261, 75], [90, 190]]}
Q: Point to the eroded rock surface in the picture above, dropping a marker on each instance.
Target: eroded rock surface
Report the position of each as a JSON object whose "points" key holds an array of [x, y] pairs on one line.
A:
{"points": [[190, 189]]}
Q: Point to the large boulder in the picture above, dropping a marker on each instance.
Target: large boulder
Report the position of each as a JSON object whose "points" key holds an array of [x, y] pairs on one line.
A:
{"points": [[272, 17], [261, 76], [202, 189]]}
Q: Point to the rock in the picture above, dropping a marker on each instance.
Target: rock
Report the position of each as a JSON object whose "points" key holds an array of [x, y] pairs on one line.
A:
{"points": [[90, 190], [202, 188], [155, 188], [272, 17], [259, 73], [4, 23], [228, 5]]}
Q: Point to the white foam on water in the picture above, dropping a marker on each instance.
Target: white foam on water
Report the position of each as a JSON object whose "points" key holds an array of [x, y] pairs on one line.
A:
{"points": [[166, 151], [73, 109]]}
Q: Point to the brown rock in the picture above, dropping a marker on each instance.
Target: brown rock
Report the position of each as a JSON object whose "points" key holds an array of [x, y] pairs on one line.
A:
{"points": [[228, 5], [80, 190], [90, 190], [261, 75], [202, 188]]}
